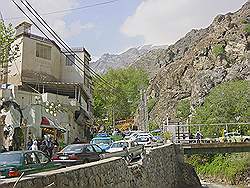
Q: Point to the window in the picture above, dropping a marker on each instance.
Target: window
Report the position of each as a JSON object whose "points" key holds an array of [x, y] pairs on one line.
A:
{"points": [[43, 51], [70, 60], [30, 158], [42, 158], [89, 149], [97, 148]]}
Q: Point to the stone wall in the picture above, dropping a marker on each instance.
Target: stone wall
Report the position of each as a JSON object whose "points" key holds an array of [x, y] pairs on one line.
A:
{"points": [[161, 167]]}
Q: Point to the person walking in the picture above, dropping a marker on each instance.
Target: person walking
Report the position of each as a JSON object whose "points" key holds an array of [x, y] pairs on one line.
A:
{"points": [[34, 146], [198, 137]]}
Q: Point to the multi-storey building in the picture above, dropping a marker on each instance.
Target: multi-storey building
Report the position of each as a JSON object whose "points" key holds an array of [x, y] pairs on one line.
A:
{"points": [[52, 87]]}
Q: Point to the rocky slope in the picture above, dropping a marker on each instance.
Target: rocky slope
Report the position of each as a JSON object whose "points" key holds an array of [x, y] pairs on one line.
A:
{"points": [[112, 61], [198, 62]]}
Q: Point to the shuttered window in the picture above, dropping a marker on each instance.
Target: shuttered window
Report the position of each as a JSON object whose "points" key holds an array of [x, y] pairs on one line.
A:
{"points": [[43, 51]]}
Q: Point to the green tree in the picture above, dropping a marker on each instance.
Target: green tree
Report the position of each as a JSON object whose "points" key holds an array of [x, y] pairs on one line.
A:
{"points": [[152, 125], [227, 103], [183, 109], [8, 52], [122, 100]]}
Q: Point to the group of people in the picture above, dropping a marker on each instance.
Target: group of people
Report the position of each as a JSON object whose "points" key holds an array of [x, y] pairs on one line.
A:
{"points": [[47, 145], [198, 136]]}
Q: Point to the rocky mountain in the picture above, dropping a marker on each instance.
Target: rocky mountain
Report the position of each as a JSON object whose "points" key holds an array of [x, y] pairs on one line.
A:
{"points": [[198, 62], [112, 61]]}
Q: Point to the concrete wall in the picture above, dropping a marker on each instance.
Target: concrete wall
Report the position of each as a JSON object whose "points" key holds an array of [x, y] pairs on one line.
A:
{"points": [[161, 167], [28, 67], [73, 73]]}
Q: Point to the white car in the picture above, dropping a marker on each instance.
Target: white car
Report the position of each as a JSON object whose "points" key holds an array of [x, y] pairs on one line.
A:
{"points": [[144, 140], [138, 134], [118, 146], [126, 148]]}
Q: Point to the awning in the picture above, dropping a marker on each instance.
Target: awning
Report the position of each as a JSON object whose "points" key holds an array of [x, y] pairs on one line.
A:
{"points": [[48, 123]]}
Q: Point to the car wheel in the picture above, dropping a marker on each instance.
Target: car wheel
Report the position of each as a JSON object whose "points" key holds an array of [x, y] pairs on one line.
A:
{"points": [[85, 161], [246, 140]]}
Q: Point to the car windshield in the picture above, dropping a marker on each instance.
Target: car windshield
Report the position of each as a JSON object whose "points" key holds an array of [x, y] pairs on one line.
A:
{"points": [[119, 145], [142, 139], [10, 158], [72, 149], [101, 141], [142, 134]]}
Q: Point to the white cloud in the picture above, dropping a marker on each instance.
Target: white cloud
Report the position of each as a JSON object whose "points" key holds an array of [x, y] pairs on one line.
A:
{"points": [[165, 21], [57, 21]]}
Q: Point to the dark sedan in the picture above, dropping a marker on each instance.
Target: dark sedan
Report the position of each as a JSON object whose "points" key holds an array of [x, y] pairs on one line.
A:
{"points": [[14, 163], [78, 154]]}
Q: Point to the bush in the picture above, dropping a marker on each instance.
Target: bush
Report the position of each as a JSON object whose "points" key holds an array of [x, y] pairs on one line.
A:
{"points": [[152, 125], [167, 135], [151, 103], [183, 109], [225, 166], [218, 50], [247, 28]]}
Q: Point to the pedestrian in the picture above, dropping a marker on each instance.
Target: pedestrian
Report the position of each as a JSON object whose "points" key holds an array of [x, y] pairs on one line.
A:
{"points": [[191, 137], [198, 137], [29, 143], [224, 132], [34, 146], [76, 141], [3, 149]]}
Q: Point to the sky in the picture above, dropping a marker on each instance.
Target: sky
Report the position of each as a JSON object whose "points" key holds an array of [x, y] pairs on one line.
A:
{"points": [[117, 25]]}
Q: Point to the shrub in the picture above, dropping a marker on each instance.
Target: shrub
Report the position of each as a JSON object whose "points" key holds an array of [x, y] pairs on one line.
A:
{"points": [[247, 28], [167, 135], [183, 109], [151, 103], [152, 125], [218, 50]]}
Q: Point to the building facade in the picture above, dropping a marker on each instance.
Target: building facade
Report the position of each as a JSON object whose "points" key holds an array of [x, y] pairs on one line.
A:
{"points": [[53, 89]]}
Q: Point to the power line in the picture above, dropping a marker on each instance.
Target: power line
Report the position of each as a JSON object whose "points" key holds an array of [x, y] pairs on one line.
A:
{"points": [[58, 39], [71, 52], [69, 10]]}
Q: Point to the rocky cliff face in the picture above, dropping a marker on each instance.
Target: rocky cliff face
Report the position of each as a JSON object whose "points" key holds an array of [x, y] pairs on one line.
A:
{"points": [[198, 62], [111, 61]]}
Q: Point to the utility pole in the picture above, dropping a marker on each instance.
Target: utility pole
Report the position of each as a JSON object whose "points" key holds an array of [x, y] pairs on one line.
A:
{"points": [[143, 111], [1, 118]]}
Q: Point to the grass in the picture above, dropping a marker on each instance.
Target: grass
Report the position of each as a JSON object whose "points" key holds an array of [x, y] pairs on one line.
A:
{"points": [[218, 50], [221, 166]]}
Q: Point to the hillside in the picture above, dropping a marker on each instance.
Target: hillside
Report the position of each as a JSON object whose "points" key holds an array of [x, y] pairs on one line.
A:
{"points": [[125, 59], [198, 62], [191, 67]]}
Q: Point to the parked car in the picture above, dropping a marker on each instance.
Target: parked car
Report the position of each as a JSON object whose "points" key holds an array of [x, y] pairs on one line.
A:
{"points": [[158, 139], [130, 146], [144, 140], [14, 163], [126, 148], [131, 135], [78, 154], [234, 137], [102, 142], [102, 135], [138, 134]]}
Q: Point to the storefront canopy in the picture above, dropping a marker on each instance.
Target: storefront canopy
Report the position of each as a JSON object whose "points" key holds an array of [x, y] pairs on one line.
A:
{"points": [[48, 123]]}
